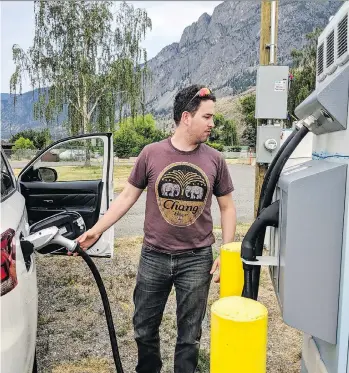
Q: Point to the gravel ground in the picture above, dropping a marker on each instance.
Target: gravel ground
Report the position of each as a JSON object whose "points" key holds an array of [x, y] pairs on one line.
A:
{"points": [[72, 332]]}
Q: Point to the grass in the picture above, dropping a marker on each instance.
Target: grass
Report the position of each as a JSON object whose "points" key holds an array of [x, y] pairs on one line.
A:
{"points": [[45, 320], [89, 365], [241, 229], [204, 362], [76, 173]]}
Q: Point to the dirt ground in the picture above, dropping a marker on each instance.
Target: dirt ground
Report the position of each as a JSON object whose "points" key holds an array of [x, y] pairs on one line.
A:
{"points": [[72, 331]]}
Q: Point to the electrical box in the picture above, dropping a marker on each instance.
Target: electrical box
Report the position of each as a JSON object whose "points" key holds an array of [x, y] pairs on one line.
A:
{"points": [[271, 92], [328, 104], [308, 246], [268, 143]]}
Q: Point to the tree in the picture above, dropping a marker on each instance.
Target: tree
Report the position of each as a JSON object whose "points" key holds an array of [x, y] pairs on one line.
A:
{"points": [[224, 131], [134, 134], [23, 143], [248, 104], [144, 125], [40, 138], [126, 141], [303, 71], [83, 66]]}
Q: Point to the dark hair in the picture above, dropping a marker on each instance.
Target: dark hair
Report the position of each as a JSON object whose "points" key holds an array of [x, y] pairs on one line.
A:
{"points": [[184, 101]]}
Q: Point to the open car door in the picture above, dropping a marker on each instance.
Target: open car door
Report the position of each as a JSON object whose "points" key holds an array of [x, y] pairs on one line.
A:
{"points": [[73, 174]]}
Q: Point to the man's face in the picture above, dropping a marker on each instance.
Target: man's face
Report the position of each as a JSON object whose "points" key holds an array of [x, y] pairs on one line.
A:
{"points": [[200, 125]]}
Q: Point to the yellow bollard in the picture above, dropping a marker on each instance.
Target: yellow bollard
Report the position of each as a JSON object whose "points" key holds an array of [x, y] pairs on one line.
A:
{"points": [[238, 336], [231, 271]]}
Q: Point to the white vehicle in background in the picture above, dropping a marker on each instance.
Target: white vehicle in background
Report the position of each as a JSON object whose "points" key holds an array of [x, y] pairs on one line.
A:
{"points": [[72, 154], [37, 194]]}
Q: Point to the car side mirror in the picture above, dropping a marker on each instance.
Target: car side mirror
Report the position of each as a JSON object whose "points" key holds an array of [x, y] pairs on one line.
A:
{"points": [[46, 174]]}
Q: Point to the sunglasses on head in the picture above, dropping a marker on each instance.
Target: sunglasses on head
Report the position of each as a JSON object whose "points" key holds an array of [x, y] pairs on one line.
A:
{"points": [[203, 92]]}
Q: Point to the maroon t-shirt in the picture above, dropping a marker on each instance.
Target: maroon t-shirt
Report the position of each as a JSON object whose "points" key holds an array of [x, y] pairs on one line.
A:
{"points": [[179, 186]]}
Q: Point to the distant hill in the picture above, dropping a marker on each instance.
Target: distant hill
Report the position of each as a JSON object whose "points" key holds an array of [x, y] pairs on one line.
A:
{"points": [[220, 51], [20, 117]]}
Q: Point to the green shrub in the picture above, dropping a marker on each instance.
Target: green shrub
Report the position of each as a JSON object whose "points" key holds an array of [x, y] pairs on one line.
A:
{"points": [[132, 136], [23, 143], [216, 145]]}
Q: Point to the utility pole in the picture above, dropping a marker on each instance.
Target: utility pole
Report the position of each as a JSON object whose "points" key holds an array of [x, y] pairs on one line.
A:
{"points": [[267, 56]]}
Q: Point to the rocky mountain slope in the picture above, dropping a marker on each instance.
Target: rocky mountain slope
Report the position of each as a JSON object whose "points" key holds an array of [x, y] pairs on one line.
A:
{"points": [[222, 50]]}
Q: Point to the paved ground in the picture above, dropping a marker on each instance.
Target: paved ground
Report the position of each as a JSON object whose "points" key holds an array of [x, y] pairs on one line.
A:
{"points": [[243, 177]]}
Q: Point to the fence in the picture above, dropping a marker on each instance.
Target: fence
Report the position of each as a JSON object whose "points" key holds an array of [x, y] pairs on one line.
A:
{"points": [[21, 154], [56, 154], [236, 155], [79, 154]]}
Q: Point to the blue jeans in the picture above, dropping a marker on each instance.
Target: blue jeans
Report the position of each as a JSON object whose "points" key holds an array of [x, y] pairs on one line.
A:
{"points": [[190, 274]]}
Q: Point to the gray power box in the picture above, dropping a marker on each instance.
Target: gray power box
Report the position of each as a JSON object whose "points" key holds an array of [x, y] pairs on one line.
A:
{"points": [[268, 143], [307, 277], [271, 92], [328, 105]]}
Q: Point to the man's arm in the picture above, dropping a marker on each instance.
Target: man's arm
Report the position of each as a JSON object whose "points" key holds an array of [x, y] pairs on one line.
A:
{"points": [[122, 203], [228, 223], [228, 217]]}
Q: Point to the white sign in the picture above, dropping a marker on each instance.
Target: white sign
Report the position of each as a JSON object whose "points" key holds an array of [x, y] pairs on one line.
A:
{"points": [[280, 86]]}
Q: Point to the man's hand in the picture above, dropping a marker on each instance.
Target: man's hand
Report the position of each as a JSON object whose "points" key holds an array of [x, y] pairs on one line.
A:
{"points": [[87, 239], [216, 265]]}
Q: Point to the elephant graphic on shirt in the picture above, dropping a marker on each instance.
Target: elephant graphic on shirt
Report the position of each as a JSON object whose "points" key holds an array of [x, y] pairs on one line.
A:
{"points": [[170, 189], [194, 192]]}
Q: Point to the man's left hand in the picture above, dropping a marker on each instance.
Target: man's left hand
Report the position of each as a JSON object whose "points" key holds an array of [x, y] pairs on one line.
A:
{"points": [[216, 265]]}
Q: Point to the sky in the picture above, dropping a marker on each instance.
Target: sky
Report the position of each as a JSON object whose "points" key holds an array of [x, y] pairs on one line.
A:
{"points": [[169, 19]]}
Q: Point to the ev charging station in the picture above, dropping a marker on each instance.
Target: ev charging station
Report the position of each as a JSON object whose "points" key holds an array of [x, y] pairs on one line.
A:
{"points": [[307, 250]]}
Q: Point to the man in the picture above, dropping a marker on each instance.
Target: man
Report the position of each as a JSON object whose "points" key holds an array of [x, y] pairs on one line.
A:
{"points": [[181, 173]]}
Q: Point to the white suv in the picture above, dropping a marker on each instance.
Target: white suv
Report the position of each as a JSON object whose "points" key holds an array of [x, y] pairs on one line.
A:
{"points": [[38, 193]]}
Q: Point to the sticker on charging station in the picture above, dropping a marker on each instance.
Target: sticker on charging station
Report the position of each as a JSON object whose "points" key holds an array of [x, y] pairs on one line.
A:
{"points": [[296, 170], [280, 86]]}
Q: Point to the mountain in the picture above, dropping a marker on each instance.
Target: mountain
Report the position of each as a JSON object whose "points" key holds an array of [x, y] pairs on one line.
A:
{"points": [[19, 117], [14, 119], [220, 51]]}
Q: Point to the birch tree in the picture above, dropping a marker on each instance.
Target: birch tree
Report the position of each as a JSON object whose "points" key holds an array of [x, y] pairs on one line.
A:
{"points": [[86, 60]]}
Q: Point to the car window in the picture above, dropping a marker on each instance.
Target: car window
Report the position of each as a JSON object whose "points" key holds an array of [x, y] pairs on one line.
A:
{"points": [[73, 160], [7, 184]]}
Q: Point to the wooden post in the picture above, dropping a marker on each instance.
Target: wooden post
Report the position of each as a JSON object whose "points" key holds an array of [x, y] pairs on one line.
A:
{"points": [[264, 59]]}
